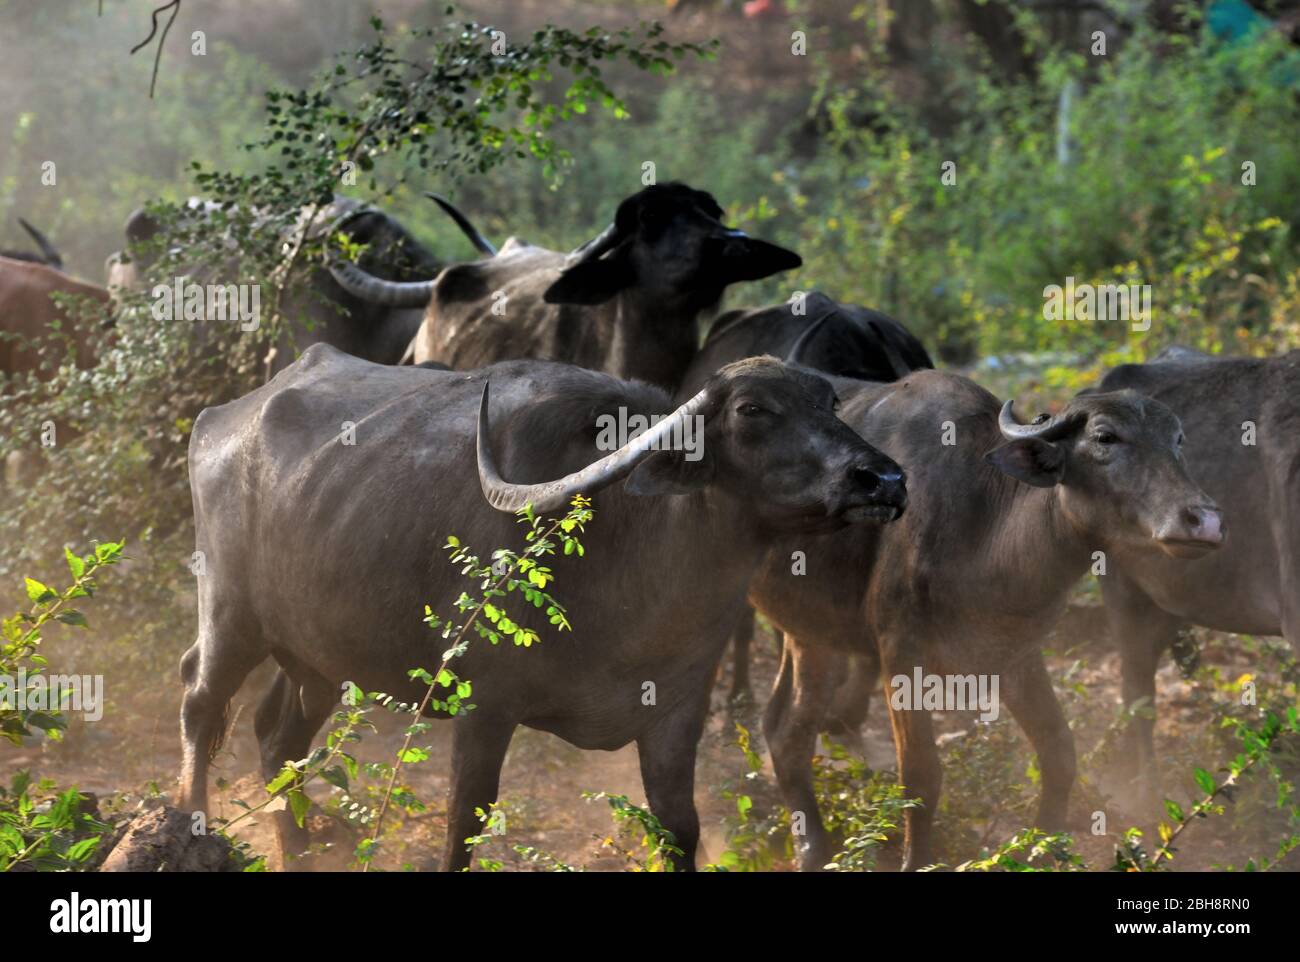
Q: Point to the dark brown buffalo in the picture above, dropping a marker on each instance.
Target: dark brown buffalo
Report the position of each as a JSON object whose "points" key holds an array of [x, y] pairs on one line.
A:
{"points": [[627, 302], [1002, 522], [323, 556], [1241, 416]]}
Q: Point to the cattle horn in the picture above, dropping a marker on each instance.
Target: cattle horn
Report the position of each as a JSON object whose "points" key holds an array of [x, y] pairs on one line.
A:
{"points": [[796, 352], [552, 495], [481, 243], [598, 246], [52, 256], [376, 290], [1047, 430]]}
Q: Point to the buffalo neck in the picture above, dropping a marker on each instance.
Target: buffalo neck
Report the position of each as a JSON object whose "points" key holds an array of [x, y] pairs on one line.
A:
{"points": [[695, 555], [1034, 551], [654, 339]]}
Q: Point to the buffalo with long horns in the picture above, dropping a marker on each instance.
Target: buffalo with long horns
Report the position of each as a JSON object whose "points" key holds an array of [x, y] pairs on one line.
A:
{"points": [[322, 552]]}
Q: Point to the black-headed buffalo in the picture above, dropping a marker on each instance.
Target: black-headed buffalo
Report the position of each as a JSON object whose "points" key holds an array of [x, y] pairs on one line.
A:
{"points": [[844, 340], [627, 302], [322, 555]]}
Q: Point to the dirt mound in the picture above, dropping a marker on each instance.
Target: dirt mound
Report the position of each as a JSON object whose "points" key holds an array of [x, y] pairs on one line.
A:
{"points": [[163, 840]]}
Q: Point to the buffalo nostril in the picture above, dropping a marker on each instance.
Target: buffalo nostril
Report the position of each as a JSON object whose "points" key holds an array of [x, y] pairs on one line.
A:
{"points": [[865, 477], [1204, 523], [888, 485]]}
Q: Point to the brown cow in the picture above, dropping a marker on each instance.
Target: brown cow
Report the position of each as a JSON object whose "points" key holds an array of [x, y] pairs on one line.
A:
{"points": [[28, 314]]}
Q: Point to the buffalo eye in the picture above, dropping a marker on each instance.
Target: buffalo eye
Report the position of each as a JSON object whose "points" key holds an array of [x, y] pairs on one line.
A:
{"points": [[1106, 437], [750, 410]]}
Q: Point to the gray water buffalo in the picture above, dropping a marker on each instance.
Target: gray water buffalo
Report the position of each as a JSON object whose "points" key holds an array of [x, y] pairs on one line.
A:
{"points": [[841, 339], [1241, 416], [48, 255], [1003, 519], [627, 302], [323, 312], [322, 555]]}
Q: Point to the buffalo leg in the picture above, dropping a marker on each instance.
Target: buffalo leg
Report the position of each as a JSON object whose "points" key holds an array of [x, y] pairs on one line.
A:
{"points": [[795, 715], [852, 701], [1027, 690], [1142, 633], [287, 720], [212, 670], [741, 642], [919, 768], [1287, 539], [667, 754], [478, 749]]}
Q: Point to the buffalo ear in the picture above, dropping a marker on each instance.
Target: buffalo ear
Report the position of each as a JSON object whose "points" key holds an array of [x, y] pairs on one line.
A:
{"points": [[1031, 460], [751, 259], [667, 472], [591, 282]]}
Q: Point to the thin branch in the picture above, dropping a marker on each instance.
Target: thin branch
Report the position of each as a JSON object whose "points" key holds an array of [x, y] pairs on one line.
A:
{"points": [[175, 7]]}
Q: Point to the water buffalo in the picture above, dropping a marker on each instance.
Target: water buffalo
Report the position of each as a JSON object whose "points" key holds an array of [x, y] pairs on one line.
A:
{"points": [[1004, 519], [28, 317], [323, 312], [627, 302], [841, 339], [27, 312], [48, 255], [322, 555], [1240, 415]]}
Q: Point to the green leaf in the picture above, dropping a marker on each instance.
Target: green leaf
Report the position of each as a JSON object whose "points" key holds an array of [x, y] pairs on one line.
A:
{"points": [[37, 592], [336, 776], [283, 780], [299, 803], [72, 617], [75, 564], [1204, 780], [80, 851]]}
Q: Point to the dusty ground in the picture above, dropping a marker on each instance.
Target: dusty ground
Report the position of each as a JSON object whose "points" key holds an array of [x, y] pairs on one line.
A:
{"points": [[135, 750]]}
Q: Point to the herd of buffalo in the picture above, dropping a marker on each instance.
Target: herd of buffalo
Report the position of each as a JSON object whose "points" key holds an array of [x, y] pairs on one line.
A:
{"points": [[884, 516]]}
